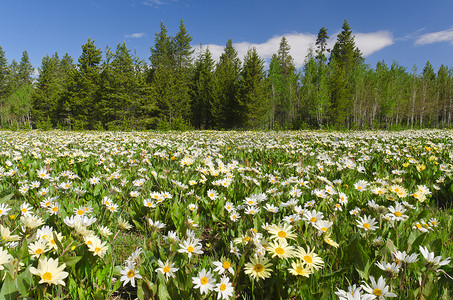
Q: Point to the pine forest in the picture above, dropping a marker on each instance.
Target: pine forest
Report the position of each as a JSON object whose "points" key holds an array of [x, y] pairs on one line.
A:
{"points": [[180, 87]]}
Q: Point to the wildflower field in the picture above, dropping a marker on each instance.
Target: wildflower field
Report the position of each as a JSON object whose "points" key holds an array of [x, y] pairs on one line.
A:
{"points": [[224, 215]]}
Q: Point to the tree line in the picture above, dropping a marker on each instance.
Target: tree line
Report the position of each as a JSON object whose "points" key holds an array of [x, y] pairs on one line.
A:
{"points": [[175, 89]]}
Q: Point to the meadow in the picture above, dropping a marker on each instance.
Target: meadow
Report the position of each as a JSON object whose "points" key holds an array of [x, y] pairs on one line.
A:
{"points": [[225, 215]]}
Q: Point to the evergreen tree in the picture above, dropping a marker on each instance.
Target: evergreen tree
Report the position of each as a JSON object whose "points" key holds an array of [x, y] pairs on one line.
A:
{"points": [[162, 52], [288, 103], [183, 69], [202, 90], [182, 49], [47, 92], [169, 75], [80, 99], [225, 107], [321, 44], [253, 91], [345, 56], [25, 70]]}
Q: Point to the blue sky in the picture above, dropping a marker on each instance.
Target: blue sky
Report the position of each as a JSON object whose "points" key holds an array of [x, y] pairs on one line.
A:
{"points": [[410, 32]]}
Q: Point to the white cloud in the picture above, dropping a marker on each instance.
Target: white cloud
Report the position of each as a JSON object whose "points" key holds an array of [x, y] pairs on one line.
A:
{"points": [[372, 42], [435, 37], [300, 43], [135, 35], [153, 3]]}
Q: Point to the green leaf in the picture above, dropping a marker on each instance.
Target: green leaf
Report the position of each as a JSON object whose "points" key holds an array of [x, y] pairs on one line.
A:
{"points": [[6, 198], [9, 289], [24, 281], [70, 261], [436, 246], [423, 214], [163, 293], [417, 242]]}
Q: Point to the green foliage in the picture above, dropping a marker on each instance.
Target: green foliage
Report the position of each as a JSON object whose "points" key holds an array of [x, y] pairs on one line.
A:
{"points": [[116, 90]]}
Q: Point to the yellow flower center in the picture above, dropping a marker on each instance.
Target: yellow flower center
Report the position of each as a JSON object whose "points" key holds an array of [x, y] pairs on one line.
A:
{"points": [[324, 229], [38, 251], [299, 270], [366, 225], [52, 241], [80, 212], [203, 280], [397, 214], [418, 225], [190, 249], [47, 276], [308, 259], [258, 268], [166, 269], [55, 209], [97, 249], [313, 219], [223, 286], [24, 210], [130, 274], [377, 292], [281, 234], [246, 239], [226, 265], [279, 251]]}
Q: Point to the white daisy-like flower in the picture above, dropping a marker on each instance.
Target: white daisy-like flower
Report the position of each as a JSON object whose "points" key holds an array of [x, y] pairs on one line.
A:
{"points": [[379, 289], [204, 281], [129, 274]]}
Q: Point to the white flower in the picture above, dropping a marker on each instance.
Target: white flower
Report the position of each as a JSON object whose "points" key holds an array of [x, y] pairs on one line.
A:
{"points": [[166, 268], [49, 271], [435, 261], [129, 274], [224, 289], [367, 223], [204, 281], [403, 257], [389, 267], [190, 246], [4, 209], [378, 290], [5, 258]]}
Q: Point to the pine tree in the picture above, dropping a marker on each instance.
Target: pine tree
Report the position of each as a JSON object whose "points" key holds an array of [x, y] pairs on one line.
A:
{"points": [[82, 88], [225, 108], [202, 90], [253, 91], [345, 56], [169, 75], [25, 70], [182, 49], [286, 108], [183, 68], [321, 44], [47, 92]]}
